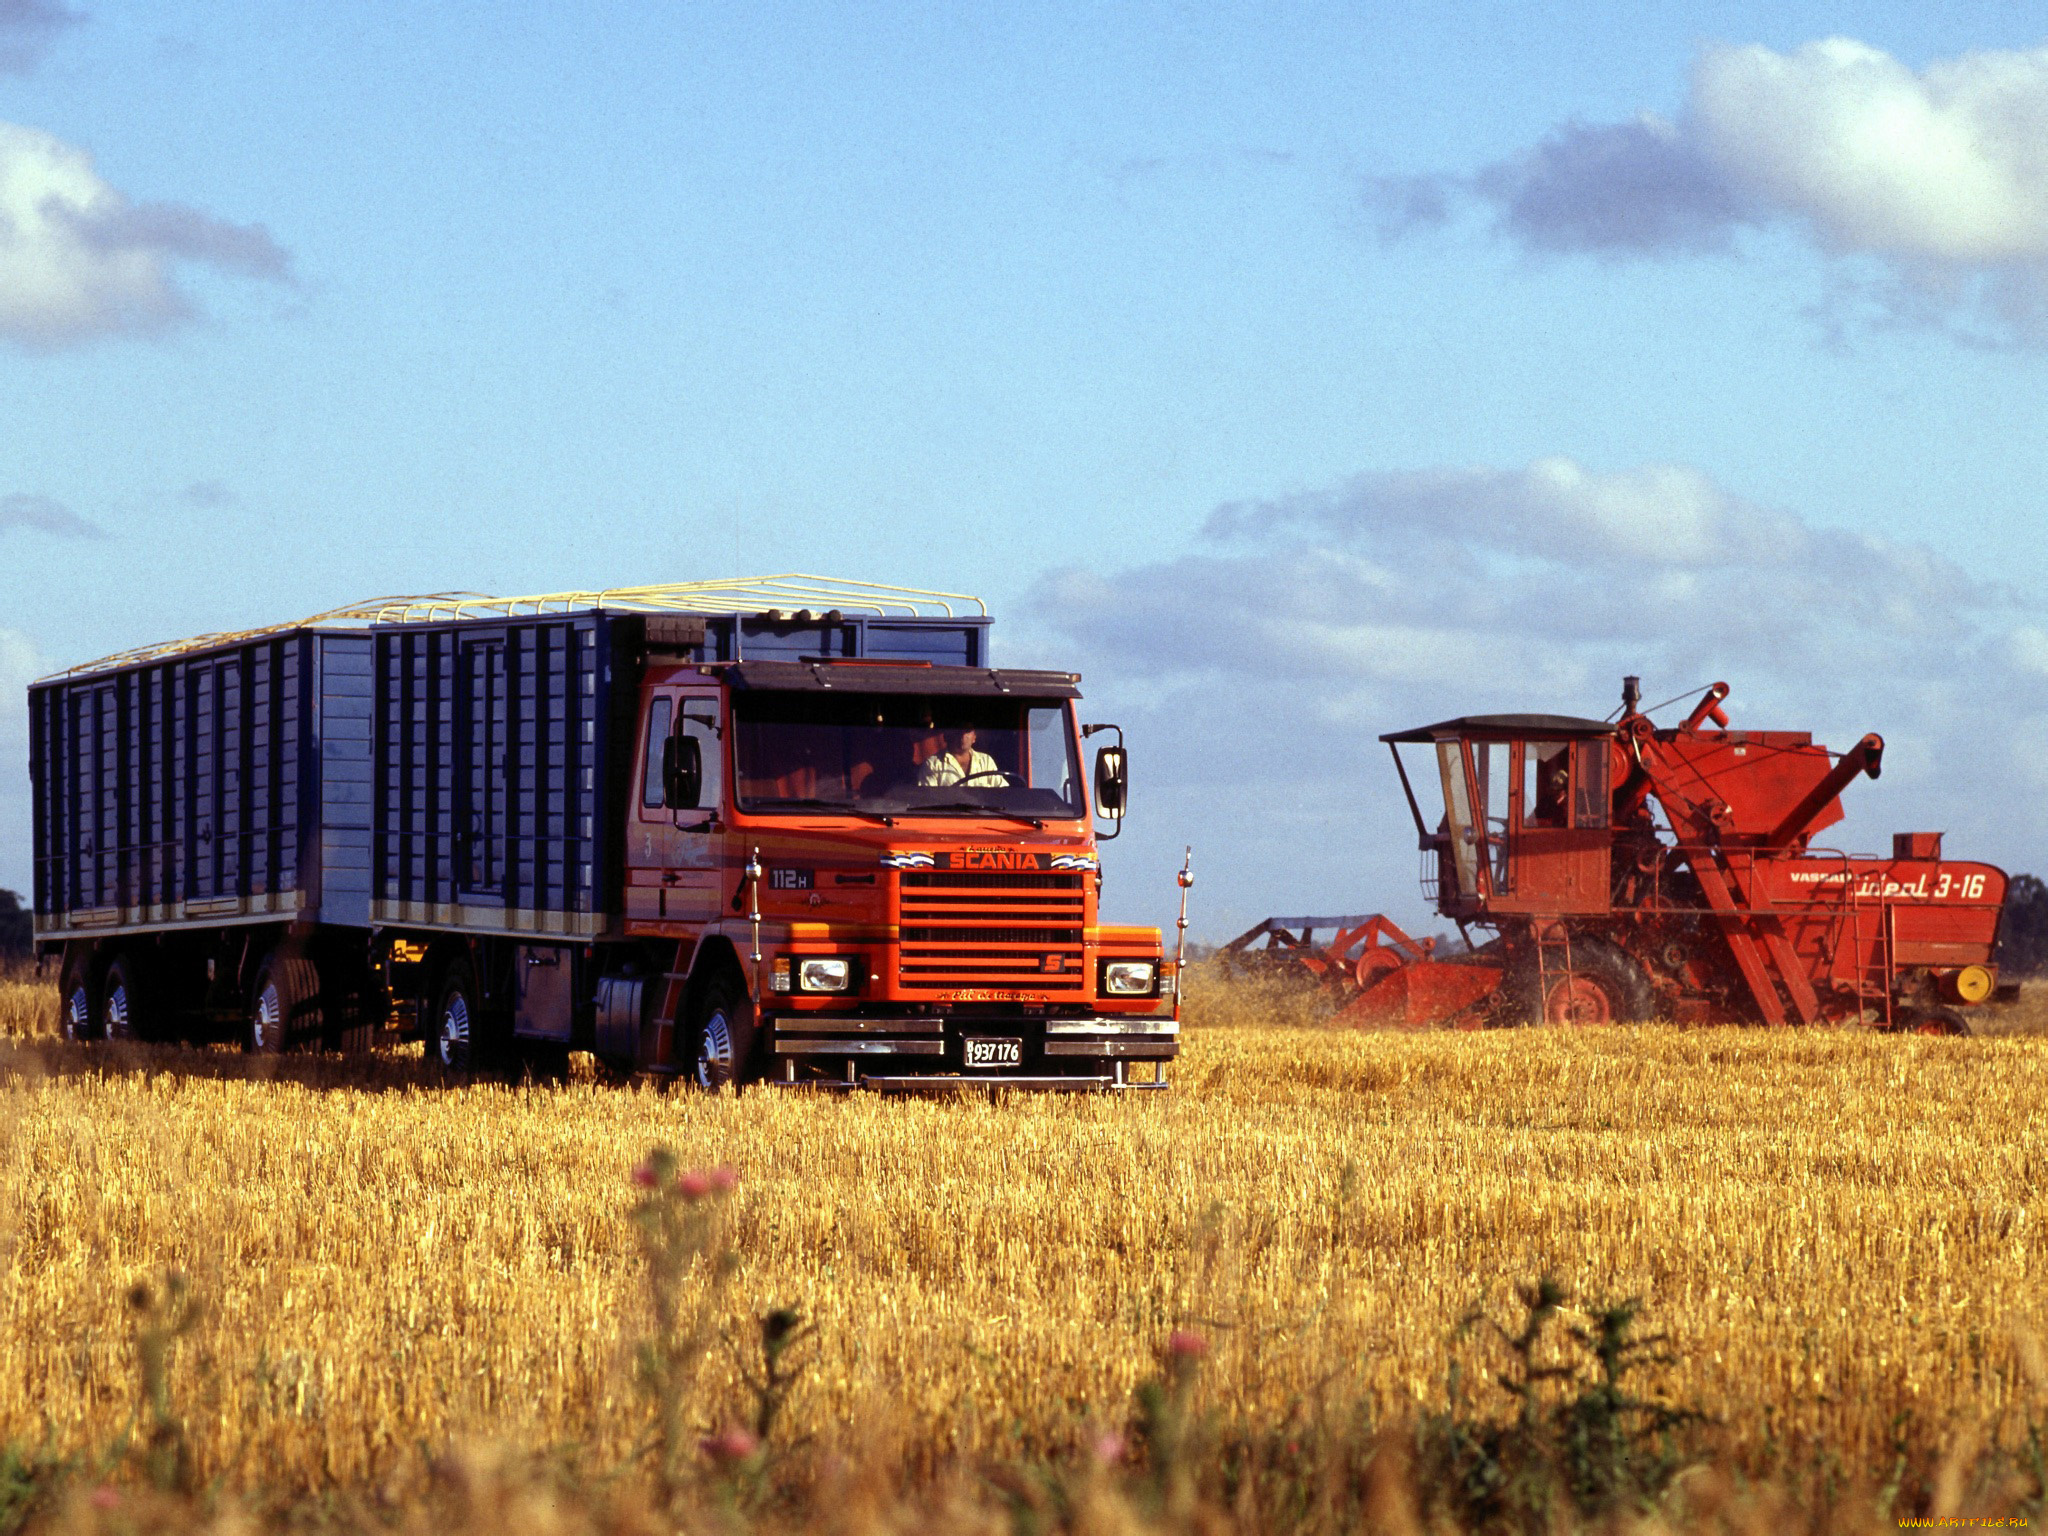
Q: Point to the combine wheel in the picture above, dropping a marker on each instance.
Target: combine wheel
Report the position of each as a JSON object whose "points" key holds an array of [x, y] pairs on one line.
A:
{"points": [[1605, 986], [722, 1034], [1933, 1021], [123, 999], [284, 1005]]}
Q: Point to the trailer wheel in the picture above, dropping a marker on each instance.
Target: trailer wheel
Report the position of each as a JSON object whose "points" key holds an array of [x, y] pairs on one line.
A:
{"points": [[722, 1034], [284, 1005], [463, 1037], [77, 1019], [122, 1001], [457, 1020], [1605, 986]]}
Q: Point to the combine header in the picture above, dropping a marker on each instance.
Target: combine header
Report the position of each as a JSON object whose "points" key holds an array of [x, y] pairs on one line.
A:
{"points": [[1626, 871]]}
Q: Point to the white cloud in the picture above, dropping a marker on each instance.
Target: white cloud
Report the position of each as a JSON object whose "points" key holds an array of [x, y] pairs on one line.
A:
{"points": [[1660, 514], [1946, 165], [1256, 669], [78, 260], [1938, 176]]}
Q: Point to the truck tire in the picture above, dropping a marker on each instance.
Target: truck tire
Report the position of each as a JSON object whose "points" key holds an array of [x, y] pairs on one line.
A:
{"points": [[284, 1005], [455, 1039], [722, 1035], [77, 1019], [124, 1001], [1606, 986]]}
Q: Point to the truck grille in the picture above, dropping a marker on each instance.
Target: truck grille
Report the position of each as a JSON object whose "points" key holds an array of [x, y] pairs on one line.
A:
{"points": [[1008, 931]]}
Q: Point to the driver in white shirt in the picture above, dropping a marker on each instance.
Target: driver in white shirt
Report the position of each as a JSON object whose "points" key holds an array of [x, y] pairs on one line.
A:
{"points": [[960, 763]]}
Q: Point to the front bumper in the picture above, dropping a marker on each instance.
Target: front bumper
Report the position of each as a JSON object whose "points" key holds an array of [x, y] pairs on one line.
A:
{"points": [[929, 1054]]}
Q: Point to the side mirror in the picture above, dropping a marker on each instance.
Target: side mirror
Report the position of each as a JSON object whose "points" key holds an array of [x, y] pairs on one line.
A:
{"points": [[1112, 782], [682, 772]]}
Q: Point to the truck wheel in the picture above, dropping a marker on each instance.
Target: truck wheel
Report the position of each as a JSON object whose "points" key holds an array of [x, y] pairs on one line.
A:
{"points": [[1605, 986], [284, 1005], [722, 1035], [77, 1020], [122, 1001], [457, 1021]]}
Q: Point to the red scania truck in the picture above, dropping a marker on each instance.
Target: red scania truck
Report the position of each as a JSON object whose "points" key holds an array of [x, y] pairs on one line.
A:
{"points": [[786, 829]]}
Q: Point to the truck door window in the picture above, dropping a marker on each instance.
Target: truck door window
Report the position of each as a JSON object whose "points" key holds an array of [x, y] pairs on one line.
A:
{"points": [[700, 724], [659, 714], [1052, 762]]}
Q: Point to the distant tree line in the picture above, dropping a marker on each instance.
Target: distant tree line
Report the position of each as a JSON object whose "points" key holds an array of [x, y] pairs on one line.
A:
{"points": [[15, 933], [2023, 935]]}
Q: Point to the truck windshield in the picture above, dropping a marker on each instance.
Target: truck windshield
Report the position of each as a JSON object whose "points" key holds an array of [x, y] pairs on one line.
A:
{"points": [[905, 755]]}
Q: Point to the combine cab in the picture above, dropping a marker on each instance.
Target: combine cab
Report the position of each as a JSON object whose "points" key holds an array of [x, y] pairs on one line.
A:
{"points": [[1621, 870]]}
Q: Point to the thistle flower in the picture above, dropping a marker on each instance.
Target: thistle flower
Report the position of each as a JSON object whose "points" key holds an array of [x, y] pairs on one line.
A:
{"points": [[730, 1444]]}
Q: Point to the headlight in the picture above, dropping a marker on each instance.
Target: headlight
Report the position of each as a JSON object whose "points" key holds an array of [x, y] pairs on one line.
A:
{"points": [[1130, 978], [834, 974]]}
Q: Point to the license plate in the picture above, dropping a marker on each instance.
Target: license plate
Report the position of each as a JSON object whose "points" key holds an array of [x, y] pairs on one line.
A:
{"points": [[995, 1053]]}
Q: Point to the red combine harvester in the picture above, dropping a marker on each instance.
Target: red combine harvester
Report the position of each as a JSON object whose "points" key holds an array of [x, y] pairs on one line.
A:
{"points": [[1629, 871]]}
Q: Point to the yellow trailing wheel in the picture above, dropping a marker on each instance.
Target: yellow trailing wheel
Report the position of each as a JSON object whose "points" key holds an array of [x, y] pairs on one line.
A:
{"points": [[1972, 984]]}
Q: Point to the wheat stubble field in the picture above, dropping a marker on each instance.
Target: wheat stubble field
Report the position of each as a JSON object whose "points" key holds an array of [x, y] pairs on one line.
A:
{"points": [[1842, 1233]]}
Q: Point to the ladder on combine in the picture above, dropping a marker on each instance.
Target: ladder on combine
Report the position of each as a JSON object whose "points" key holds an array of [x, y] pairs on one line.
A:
{"points": [[1553, 970], [1872, 981]]}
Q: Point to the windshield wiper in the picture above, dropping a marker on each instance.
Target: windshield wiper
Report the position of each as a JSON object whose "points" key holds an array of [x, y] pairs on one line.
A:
{"points": [[986, 810], [844, 806]]}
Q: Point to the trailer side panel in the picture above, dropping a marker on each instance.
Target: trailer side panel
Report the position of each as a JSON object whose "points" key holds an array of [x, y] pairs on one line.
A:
{"points": [[492, 753], [177, 792]]}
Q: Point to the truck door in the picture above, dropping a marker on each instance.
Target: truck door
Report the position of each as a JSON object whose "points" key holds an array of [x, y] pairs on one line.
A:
{"points": [[693, 889], [650, 838], [673, 853]]}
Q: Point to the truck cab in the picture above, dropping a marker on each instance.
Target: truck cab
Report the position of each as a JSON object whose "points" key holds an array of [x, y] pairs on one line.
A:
{"points": [[899, 860]]}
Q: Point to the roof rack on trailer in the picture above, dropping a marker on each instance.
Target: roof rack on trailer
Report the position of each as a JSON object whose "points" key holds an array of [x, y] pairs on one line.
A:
{"points": [[744, 596]]}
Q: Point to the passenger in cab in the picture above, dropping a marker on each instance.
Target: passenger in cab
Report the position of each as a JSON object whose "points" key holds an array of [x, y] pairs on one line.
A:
{"points": [[961, 764]]}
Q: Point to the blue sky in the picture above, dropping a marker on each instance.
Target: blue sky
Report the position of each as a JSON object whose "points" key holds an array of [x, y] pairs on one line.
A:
{"points": [[1014, 299]]}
